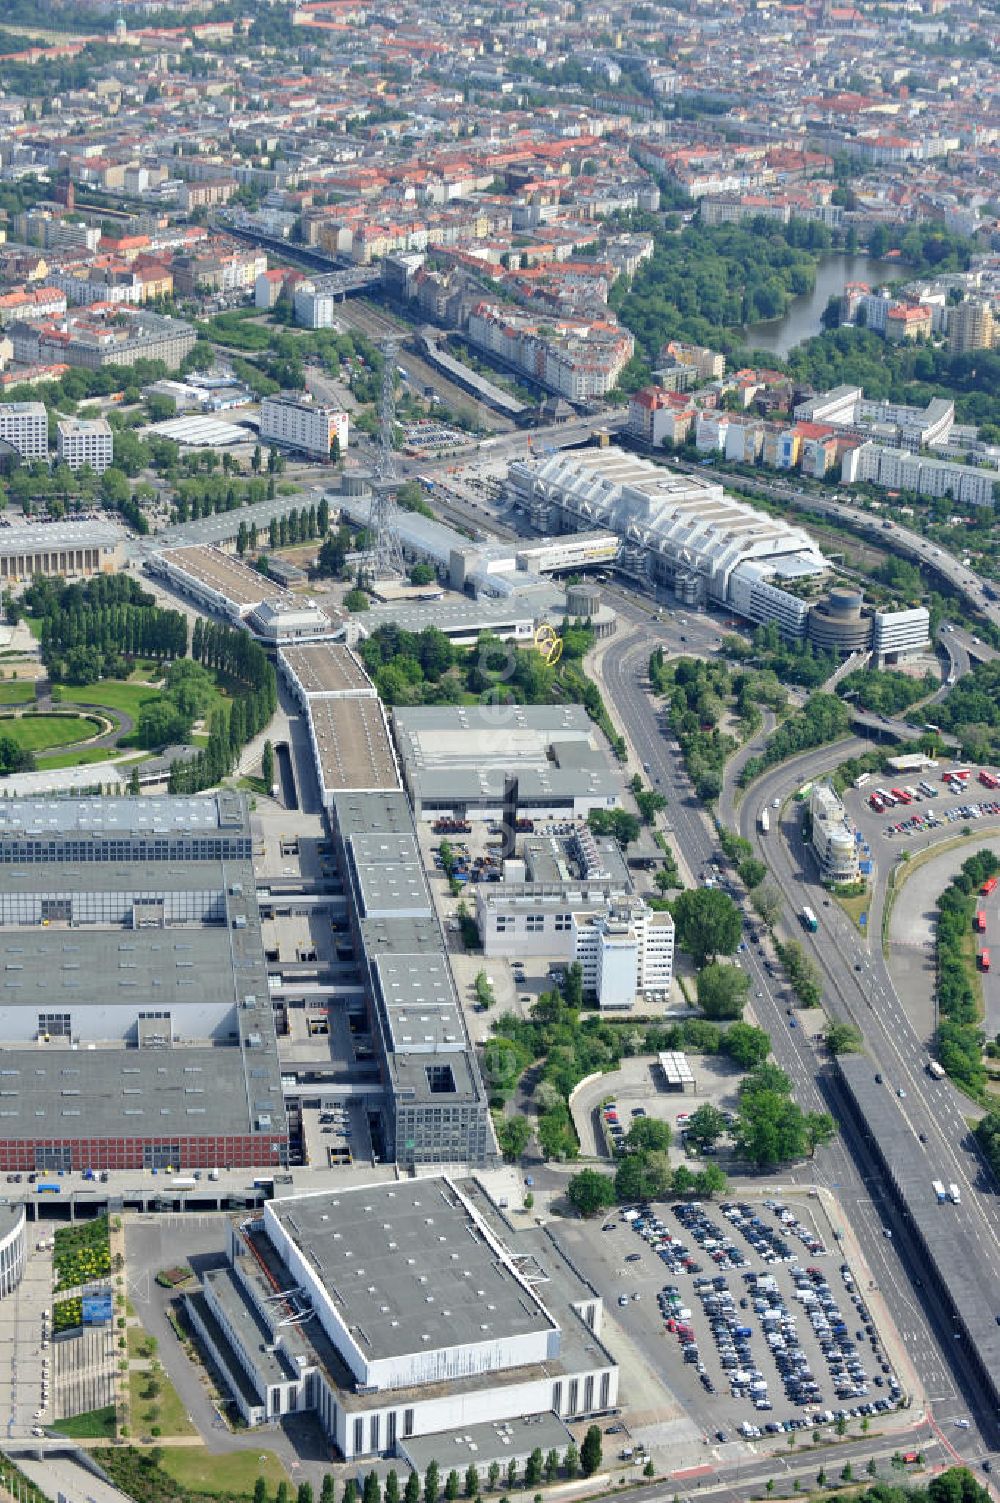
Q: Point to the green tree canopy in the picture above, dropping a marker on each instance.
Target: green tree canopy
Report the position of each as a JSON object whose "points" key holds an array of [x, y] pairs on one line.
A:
{"points": [[722, 990], [648, 1134], [708, 923], [590, 1192]]}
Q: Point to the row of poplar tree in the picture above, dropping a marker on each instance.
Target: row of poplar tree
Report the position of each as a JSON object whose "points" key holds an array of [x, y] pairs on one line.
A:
{"points": [[236, 656]]}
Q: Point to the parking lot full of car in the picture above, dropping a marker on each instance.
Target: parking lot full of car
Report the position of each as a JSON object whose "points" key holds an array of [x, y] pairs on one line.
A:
{"points": [[745, 1314]]}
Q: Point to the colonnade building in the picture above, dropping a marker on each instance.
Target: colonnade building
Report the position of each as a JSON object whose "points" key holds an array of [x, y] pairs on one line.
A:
{"points": [[76, 550]]}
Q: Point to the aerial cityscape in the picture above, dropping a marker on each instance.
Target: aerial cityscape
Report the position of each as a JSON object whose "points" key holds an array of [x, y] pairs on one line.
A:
{"points": [[499, 751]]}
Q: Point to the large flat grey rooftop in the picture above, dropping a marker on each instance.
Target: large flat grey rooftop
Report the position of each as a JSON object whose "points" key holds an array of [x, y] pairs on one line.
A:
{"points": [[419, 999], [408, 1267], [254, 1337], [54, 536], [126, 816], [392, 935], [477, 1445], [408, 1071], [327, 668], [178, 1092], [352, 739], [140, 878], [390, 877], [457, 615], [443, 787], [358, 811], [148, 968], [222, 526], [464, 753]]}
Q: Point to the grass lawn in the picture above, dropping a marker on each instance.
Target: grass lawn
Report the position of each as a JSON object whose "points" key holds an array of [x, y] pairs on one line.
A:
{"points": [[137, 1340], [970, 950], [855, 907], [113, 692], [36, 733], [83, 757], [145, 669], [97, 1424], [166, 1410], [232, 1474], [17, 694], [34, 625]]}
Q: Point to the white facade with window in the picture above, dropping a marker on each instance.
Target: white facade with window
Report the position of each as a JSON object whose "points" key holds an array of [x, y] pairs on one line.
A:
{"points": [[25, 426], [12, 1244], [85, 441], [624, 951], [440, 1305], [899, 469], [897, 635], [307, 426]]}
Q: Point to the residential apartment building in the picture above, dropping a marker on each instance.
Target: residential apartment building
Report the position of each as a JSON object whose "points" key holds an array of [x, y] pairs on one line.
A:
{"points": [[898, 469], [85, 441], [218, 271], [315, 306], [708, 365], [25, 426], [657, 417], [29, 304], [971, 326], [309, 427], [576, 358], [95, 340], [744, 440], [904, 323]]}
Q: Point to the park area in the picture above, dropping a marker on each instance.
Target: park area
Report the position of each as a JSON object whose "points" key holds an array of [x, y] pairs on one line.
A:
{"points": [[42, 732]]}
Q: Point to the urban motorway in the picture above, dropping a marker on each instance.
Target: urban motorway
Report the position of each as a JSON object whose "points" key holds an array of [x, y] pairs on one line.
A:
{"points": [[846, 1167]]}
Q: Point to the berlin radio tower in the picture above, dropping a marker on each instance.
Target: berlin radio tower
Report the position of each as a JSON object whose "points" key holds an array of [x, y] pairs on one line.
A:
{"points": [[385, 557]]}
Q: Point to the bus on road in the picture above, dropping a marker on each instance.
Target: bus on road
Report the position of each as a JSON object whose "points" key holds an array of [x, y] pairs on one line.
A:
{"points": [[809, 920], [984, 960]]}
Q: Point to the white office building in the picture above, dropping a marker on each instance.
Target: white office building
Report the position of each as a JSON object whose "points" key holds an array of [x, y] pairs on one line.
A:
{"points": [[898, 635], [309, 427], [833, 841], [315, 306], [85, 441], [623, 952], [25, 426]]}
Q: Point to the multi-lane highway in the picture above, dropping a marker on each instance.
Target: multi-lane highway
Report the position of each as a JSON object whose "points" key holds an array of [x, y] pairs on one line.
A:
{"points": [[846, 1166]]}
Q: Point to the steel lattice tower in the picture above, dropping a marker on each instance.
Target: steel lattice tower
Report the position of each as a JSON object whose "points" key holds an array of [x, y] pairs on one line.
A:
{"points": [[385, 557]]}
